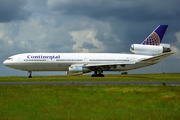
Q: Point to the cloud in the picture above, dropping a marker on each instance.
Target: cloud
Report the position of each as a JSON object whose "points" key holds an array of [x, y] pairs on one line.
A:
{"points": [[88, 45], [176, 51], [32, 36], [131, 10], [13, 10], [129, 21], [177, 34], [86, 37]]}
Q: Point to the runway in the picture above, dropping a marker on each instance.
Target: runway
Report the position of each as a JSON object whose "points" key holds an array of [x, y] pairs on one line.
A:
{"points": [[153, 83]]}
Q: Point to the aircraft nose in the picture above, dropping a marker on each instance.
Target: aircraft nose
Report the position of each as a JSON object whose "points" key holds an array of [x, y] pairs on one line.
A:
{"points": [[5, 62]]}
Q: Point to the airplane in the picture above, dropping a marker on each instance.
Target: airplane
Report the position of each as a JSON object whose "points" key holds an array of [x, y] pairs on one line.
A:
{"points": [[149, 52]]}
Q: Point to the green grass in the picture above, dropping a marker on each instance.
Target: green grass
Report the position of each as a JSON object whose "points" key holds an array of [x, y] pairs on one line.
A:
{"points": [[89, 102], [135, 77]]}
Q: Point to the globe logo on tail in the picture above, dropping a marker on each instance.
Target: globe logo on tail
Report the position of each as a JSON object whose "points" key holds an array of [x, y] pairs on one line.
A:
{"points": [[152, 39], [156, 36]]}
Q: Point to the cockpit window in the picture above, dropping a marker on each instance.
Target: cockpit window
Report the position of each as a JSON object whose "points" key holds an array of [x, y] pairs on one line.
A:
{"points": [[10, 59]]}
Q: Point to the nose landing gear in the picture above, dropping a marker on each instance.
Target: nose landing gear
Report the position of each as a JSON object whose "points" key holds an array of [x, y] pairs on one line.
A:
{"points": [[30, 74]]}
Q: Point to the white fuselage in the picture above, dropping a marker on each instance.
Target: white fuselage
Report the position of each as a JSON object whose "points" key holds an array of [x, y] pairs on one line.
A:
{"points": [[62, 61]]}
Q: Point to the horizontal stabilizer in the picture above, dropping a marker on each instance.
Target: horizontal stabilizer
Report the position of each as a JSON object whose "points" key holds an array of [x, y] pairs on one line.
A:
{"points": [[157, 57]]}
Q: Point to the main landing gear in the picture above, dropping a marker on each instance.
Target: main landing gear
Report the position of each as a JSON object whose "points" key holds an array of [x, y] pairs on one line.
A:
{"points": [[99, 73], [30, 74]]}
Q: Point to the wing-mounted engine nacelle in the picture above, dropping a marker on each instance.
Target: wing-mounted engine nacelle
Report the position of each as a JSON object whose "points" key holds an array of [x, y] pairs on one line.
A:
{"points": [[150, 49], [77, 70]]}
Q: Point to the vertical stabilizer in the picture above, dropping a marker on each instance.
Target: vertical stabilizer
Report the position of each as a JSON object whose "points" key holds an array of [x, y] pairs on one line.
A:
{"points": [[156, 36]]}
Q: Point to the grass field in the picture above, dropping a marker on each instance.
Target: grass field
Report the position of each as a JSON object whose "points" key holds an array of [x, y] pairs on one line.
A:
{"points": [[89, 102], [29, 102], [135, 77]]}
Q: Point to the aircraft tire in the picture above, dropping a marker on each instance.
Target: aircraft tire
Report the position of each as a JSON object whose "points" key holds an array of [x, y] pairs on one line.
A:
{"points": [[93, 75], [101, 75], [98, 75]]}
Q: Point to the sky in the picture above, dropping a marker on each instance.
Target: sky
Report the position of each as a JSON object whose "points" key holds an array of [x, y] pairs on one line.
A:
{"points": [[93, 26]]}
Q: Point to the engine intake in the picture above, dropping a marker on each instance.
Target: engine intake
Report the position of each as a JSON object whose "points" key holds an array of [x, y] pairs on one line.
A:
{"points": [[77, 70]]}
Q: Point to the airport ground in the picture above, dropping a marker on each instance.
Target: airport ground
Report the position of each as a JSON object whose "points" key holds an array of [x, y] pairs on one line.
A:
{"points": [[90, 102], [130, 77]]}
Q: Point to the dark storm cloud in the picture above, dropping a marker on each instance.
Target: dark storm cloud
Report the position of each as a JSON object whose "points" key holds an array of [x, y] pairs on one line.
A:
{"points": [[52, 44], [130, 20], [11, 10], [132, 10]]}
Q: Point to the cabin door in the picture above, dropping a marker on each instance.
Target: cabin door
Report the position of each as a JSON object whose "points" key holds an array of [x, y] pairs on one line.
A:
{"points": [[86, 60]]}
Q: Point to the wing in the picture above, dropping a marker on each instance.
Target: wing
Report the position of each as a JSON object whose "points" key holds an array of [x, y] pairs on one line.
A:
{"points": [[109, 64]]}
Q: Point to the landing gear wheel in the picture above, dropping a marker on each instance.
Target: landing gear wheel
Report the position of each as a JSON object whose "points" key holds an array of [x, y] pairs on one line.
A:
{"points": [[100, 75], [97, 75], [93, 75], [30, 74]]}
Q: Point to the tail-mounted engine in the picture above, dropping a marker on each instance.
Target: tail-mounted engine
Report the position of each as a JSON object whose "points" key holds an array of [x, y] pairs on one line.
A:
{"points": [[77, 70], [150, 49]]}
